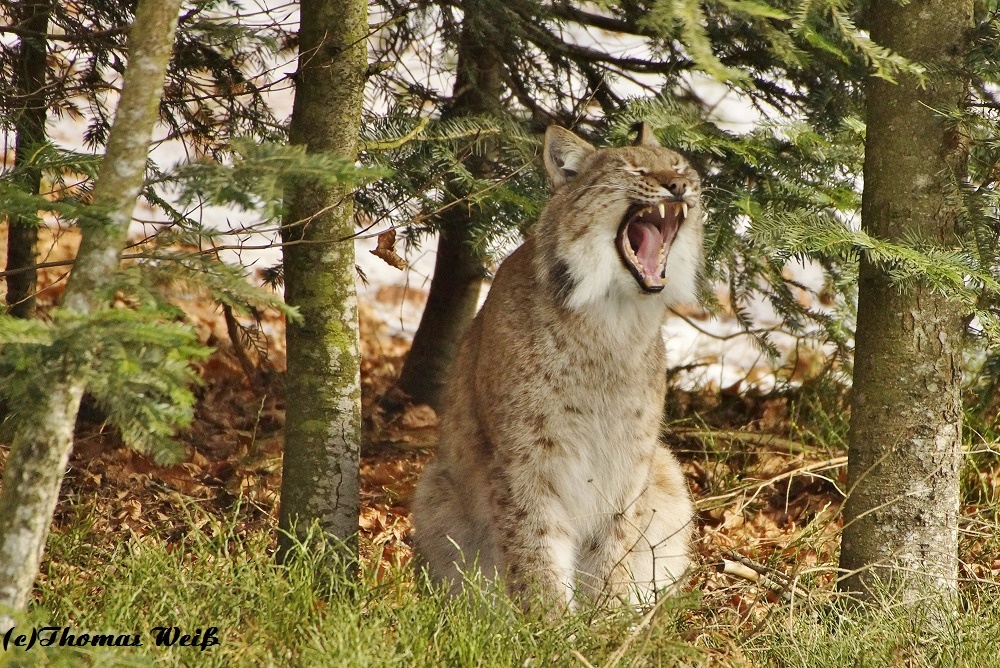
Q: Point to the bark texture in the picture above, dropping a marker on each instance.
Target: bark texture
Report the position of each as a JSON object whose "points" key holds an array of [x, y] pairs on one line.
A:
{"points": [[901, 515], [38, 457], [32, 17], [458, 271], [323, 386]]}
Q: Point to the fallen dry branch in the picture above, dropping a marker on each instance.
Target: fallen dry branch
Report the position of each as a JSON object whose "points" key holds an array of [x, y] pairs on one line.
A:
{"points": [[809, 469], [771, 441], [736, 564]]}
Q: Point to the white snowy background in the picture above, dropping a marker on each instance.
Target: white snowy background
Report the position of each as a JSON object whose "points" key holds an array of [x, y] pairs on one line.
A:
{"points": [[712, 349]]}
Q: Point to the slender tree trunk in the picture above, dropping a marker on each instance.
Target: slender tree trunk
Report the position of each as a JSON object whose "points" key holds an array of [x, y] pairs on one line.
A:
{"points": [[901, 515], [458, 271], [32, 17], [322, 385], [37, 460]]}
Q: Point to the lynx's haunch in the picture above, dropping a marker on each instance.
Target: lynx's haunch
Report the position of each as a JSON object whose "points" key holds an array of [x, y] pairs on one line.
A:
{"points": [[550, 474]]}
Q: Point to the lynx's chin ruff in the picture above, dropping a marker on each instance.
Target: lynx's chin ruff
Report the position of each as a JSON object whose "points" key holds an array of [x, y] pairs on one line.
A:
{"points": [[550, 474]]}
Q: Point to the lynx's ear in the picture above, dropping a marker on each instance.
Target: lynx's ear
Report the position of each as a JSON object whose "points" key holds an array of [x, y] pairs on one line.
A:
{"points": [[564, 154], [644, 135]]}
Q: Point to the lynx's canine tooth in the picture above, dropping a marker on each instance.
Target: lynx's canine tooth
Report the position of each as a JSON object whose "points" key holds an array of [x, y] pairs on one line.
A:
{"points": [[663, 210]]}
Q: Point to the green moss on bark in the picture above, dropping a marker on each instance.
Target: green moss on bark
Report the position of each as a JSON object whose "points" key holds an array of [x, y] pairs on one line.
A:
{"points": [[38, 459], [323, 395]]}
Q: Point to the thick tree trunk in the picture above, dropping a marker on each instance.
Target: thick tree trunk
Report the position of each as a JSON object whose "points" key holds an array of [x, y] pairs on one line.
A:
{"points": [[901, 515], [37, 460], [322, 385], [458, 270], [32, 17], [451, 305]]}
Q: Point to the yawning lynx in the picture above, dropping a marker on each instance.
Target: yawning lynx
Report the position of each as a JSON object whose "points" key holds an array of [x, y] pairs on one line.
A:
{"points": [[550, 473]]}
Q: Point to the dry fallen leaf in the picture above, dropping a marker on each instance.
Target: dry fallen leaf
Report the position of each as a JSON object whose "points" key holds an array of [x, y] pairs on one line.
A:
{"points": [[386, 250], [418, 416]]}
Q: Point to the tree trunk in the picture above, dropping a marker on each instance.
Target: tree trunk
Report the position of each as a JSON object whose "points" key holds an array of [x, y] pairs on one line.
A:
{"points": [[458, 270], [32, 17], [451, 305], [323, 385], [901, 515], [37, 459]]}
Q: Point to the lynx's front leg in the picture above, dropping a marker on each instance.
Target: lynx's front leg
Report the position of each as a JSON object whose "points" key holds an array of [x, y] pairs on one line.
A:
{"points": [[664, 517], [536, 553], [604, 572], [643, 548]]}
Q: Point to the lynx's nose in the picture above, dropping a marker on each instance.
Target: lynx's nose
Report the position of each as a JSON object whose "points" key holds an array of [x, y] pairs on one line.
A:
{"points": [[677, 185]]}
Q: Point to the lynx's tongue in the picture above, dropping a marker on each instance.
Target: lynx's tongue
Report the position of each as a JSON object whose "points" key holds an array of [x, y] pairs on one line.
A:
{"points": [[644, 240]]}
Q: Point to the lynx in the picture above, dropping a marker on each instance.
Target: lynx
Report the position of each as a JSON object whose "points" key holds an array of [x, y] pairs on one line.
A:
{"points": [[550, 475]]}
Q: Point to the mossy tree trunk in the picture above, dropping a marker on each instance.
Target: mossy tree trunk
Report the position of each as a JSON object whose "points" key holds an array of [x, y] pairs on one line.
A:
{"points": [[32, 18], [458, 270], [901, 515], [323, 386], [37, 460]]}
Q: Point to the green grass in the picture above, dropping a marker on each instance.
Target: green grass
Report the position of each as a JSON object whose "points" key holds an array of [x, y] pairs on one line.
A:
{"points": [[209, 571], [308, 613], [928, 633], [312, 613]]}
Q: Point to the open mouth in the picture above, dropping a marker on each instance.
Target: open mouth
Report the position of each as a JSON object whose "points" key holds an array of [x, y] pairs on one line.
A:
{"points": [[644, 240]]}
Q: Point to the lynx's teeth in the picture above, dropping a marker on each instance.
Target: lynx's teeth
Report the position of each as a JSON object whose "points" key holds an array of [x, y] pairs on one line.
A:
{"points": [[663, 210], [684, 209]]}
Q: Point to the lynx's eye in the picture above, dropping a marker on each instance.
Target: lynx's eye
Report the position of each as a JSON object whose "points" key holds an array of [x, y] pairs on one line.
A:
{"points": [[633, 170], [645, 237]]}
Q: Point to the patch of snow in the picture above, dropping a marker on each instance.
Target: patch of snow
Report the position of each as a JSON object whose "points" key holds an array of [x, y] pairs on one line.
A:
{"points": [[712, 350]]}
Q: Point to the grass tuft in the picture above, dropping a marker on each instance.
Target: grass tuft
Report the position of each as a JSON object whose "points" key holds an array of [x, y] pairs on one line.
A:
{"points": [[313, 611]]}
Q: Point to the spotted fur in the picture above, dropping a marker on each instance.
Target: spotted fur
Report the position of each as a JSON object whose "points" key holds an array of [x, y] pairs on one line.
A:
{"points": [[550, 474]]}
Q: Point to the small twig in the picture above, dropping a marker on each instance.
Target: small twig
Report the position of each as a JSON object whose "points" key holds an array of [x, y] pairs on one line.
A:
{"points": [[639, 628], [233, 328], [390, 144], [581, 658], [737, 565], [811, 469], [768, 440], [39, 265]]}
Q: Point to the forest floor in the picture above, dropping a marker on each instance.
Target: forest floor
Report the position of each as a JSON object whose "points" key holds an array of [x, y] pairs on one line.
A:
{"points": [[767, 471], [763, 486]]}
